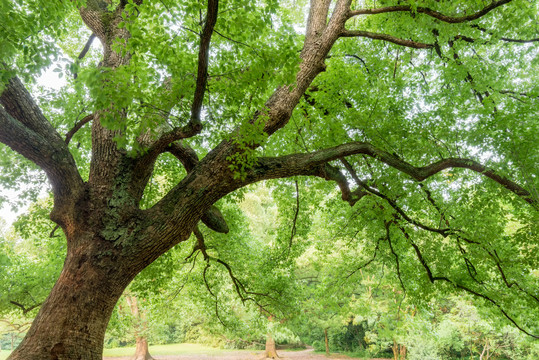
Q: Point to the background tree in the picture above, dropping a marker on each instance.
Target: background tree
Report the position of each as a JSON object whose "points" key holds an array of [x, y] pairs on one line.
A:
{"points": [[428, 107]]}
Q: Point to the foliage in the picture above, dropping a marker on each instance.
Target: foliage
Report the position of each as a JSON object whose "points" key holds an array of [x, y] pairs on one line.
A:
{"points": [[420, 115]]}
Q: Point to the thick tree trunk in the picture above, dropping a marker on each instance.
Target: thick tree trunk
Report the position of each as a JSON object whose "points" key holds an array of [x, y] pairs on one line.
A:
{"points": [[142, 352], [71, 323], [271, 351]]}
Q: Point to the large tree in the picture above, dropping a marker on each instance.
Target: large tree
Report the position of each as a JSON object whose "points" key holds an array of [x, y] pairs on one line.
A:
{"points": [[427, 107]]}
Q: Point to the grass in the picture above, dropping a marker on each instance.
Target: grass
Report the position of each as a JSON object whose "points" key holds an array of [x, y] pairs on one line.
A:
{"points": [[172, 349]]}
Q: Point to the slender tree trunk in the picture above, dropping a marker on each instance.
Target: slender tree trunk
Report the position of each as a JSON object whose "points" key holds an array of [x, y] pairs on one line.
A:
{"points": [[326, 340], [485, 354], [402, 352], [399, 351], [141, 352], [271, 351]]}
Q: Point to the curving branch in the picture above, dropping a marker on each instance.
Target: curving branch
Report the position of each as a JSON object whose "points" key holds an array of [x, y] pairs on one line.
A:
{"points": [[368, 262], [397, 262], [25, 309], [26, 130], [78, 125], [433, 278], [310, 164], [386, 37], [432, 13]]}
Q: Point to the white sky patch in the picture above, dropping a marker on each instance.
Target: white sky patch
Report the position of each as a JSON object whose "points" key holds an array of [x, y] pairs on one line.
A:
{"points": [[51, 79], [6, 211]]}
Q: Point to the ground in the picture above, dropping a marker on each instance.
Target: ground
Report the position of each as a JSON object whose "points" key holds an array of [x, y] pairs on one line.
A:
{"points": [[248, 355]]}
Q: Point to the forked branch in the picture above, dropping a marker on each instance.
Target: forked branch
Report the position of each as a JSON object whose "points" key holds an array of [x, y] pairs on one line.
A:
{"points": [[309, 164]]}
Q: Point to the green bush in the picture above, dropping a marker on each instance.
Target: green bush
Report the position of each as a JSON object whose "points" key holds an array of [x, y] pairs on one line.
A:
{"points": [[319, 346]]}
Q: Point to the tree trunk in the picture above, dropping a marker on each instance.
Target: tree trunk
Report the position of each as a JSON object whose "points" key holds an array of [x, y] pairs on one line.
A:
{"points": [[399, 351], [326, 340], [142, 352], [402, 352], [271, 351], [71, 323]]}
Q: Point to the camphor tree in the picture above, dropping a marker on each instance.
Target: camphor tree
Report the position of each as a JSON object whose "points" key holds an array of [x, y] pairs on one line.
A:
{"points": [[424, 113]]}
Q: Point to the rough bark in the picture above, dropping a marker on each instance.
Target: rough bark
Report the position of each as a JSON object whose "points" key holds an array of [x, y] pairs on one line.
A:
{"points": [[71, 323]]}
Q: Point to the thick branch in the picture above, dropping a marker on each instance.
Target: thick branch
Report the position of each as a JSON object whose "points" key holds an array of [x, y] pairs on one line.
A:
{"points": [[432, 13], [308, 164], [92, 15], [317, 20], [28, 132], [212, 218], [19, 104], [385, 37], [187, 156]]}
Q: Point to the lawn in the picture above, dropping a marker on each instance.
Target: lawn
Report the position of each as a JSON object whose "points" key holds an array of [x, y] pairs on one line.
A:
{"points": [[172, 349]]}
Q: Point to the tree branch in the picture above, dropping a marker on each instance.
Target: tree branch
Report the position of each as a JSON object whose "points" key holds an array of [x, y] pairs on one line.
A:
{"points": [[77, 127], [212, 218], [432, 13], [385, 37], [86, 47], [520, 41], [317, 20], [28, 132], [25, 309], [203, 54], [433, 278], [309, 164]]}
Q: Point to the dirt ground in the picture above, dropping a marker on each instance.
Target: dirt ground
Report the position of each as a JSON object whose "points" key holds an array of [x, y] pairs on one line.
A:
{"points": [[255, 355]]}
